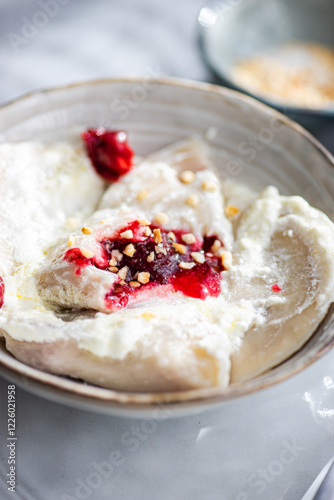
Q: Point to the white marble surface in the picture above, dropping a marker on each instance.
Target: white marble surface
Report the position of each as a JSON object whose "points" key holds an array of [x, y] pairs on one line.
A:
{"points": [[269, 446]]}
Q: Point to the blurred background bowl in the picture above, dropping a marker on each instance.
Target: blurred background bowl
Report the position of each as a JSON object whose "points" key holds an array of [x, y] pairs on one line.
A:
{"points": [[235, 30], [249, 143]]}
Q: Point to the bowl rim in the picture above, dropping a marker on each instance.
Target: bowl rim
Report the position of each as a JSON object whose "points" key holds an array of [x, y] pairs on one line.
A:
{"points": [[10, 366], [224, 78]]}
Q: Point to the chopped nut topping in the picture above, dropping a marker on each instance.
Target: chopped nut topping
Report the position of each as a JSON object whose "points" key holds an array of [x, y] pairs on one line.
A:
{"points": [[192, 200], [103, 221], [142, 194], [157, 236], [129, 250], [122, 282], [187, 176], [134, 284], [180, 248], [171, 236], [188, 238], [113, 269], [128, 234], [209, 186], [143, 278], [71, 241], [198, 257], [144, 222], [112, 262], [216, 246], [226, 259], [86, 230], [117, 255], [160, 218], [150, 257], [86, 253], [231, 211], [147, 231], [187, 265], [123, 272], [160, 249]]}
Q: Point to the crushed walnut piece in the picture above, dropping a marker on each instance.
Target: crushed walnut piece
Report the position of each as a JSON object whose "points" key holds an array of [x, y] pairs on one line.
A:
{"points": [[71, 241], [144, 222], [209, 186], [171, 236], [116, 254], [188, 238], [134, 284], [150, 257], [86, 230], [180, 248], [128, 234], [216, 246], [231, 211], [86, 253], [226, 258], [157, 236], [160, 249], [187, 265], [187, 177], [143, 277], [112, 261], [129, 250], [123, 272], [198, 257], [192, 200]]}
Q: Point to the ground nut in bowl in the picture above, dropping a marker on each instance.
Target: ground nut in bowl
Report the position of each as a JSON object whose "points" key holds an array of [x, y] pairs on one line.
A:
{"points": [[179, 276], [279, 51]]}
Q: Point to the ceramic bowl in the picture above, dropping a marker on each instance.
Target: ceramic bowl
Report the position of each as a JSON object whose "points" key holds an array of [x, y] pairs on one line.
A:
{"points": [[250, 142], [231, 30]]}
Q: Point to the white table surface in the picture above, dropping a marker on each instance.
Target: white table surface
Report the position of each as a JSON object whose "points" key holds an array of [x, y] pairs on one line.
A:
{"points": [[268, 446]]}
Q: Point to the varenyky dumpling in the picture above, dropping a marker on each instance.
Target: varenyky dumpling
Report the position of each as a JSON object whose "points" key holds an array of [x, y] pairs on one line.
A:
{"points": [[129, 273]]}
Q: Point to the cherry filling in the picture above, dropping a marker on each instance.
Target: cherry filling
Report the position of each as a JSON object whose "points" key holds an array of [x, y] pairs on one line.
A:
{"points": [[145, 256], [109, 152], [75, 255]]}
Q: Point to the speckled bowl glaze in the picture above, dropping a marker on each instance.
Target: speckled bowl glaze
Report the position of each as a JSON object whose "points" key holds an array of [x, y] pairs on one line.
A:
{"points": [[235, 29], [250, 142]]}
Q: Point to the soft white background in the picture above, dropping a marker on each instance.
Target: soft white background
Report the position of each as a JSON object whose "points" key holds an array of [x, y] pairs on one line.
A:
{"points": [[238, 451]]}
